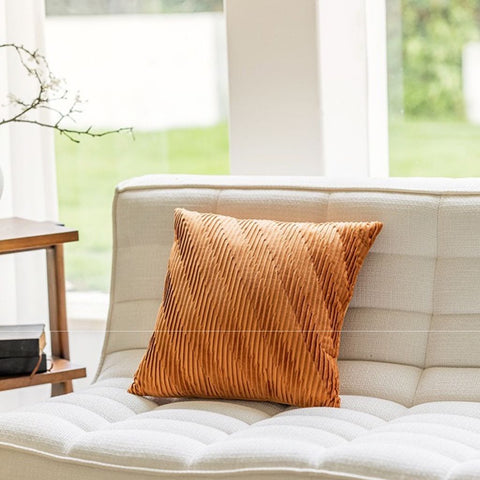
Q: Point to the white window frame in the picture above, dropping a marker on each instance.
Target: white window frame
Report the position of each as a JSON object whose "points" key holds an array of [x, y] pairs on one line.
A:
{"points": [[308, 87]]}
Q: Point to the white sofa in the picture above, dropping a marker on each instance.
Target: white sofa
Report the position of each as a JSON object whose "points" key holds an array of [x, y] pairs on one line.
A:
{"points": [[409, 363]]}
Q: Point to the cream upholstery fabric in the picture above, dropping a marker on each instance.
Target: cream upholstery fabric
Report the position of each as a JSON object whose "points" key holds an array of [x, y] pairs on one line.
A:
{"points": [[409, 368], [103, 432]]}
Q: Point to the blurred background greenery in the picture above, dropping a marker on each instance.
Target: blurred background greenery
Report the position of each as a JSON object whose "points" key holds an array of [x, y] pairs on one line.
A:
{"points": [[433, 36], [118, 7], [89, 171], [429, 132]]}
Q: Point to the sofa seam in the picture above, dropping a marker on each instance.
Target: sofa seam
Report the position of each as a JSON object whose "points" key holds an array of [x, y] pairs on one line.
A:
{"points": [[439, 202], [313, 188]]}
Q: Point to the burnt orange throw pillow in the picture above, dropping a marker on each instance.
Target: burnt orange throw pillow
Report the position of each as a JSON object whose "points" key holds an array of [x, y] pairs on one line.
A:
{"points": [[253, 309]]}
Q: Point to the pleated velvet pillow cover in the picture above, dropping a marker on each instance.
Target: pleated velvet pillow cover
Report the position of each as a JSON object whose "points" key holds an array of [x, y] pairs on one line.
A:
{"points": [[253, 309]]}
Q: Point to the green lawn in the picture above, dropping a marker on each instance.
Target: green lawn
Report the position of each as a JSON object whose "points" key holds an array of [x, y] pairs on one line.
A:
{"points": [[89, 171], [434, 149]]}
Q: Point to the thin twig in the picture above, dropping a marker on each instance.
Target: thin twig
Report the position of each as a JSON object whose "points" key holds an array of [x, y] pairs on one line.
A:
{"points": [[68, 132], [49, 89]]}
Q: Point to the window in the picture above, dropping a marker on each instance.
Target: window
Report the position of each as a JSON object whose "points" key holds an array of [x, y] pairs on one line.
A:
{"points": [[158, 66], [434, 87]]}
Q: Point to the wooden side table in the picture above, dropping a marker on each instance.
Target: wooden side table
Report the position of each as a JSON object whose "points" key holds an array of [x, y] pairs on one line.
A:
{"points": [[21, 235]]}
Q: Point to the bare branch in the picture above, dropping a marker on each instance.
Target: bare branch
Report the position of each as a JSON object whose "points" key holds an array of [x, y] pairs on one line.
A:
{"points": [[48, 89], [72, 133]]}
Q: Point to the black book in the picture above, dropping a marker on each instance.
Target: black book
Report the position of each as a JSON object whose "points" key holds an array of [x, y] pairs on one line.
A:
{"points": [[21, 365], [22, 340]]}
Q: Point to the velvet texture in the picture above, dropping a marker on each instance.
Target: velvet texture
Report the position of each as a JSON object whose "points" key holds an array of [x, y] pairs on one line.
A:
{"points": [[253, 309]]}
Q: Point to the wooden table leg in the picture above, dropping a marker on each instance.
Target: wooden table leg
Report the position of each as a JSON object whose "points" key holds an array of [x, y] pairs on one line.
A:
{"points": [[58, 312]]}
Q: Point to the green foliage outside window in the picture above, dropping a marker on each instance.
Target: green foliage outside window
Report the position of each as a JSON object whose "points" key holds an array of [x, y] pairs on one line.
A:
{"points": [[434, 33], [118, 7]]}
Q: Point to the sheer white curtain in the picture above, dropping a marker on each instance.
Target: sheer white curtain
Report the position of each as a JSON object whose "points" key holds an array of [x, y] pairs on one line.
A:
{"points": [[27, 162]]}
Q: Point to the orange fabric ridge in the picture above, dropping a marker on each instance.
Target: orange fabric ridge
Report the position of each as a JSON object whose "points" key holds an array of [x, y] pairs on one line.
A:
{"points": [[253, 309]]}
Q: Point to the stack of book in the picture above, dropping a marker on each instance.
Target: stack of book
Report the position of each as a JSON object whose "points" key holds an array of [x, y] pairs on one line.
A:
{"points": [[21, 349]]}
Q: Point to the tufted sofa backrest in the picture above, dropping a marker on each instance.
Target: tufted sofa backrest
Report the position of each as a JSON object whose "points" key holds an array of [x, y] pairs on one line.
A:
{"points": [[412, 332]]}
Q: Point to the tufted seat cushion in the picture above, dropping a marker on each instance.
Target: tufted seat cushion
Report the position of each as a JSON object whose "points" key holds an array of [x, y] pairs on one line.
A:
{"points": [[118, 433]]}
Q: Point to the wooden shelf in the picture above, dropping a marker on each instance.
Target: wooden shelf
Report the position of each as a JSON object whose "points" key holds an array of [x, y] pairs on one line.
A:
{"points": [[62, 371], [20, 234]]}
